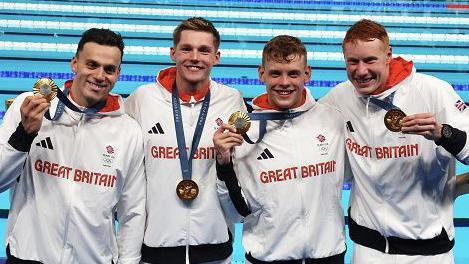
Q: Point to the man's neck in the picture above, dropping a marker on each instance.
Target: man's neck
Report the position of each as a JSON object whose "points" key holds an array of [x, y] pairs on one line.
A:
{"points": [[80, 102], [74, 98], [383, 87], [189, 88]]}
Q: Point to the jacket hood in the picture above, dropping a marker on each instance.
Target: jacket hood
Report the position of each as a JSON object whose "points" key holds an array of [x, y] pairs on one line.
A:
{"points": [[399, 69]]}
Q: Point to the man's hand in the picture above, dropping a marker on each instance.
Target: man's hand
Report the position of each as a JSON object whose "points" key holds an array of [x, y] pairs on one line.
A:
{"points": [[32, 111], [424, 124], [462, 184], [224, 140]]}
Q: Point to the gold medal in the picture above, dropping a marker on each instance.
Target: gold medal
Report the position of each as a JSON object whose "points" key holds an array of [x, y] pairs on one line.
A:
{"points": [[46, 87], [393, 120], [8, 102], [241, 121], [187, 190]]}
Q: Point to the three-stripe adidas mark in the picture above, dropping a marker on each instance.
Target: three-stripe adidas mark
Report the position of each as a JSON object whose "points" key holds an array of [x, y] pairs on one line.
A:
{"points": [[156, 129], [266, 154], [45, 143]]}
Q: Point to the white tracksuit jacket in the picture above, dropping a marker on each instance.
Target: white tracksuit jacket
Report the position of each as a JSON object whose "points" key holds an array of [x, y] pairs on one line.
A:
{"points": [[79, 171], [292, 184], [403, 184], [172, 223]]}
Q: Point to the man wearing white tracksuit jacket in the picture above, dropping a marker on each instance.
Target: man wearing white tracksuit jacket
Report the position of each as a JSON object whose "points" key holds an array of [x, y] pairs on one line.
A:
{"points": [[69, 177], [179, 230], [171, 223], [288, 185], [401, 205]]}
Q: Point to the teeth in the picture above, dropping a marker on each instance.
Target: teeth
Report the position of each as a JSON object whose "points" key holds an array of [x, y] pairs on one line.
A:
{"points": [[364, 80], [95, 85]]}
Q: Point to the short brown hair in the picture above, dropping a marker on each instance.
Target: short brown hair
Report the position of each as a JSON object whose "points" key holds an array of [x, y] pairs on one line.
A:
{"points": [[196, 24], [366, 30], [280, 49]]}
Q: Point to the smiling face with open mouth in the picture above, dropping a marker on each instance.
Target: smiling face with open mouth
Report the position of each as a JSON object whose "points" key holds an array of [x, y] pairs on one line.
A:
{"points": [[96, 69], [285, 81], [367, 64], [194, 55]]}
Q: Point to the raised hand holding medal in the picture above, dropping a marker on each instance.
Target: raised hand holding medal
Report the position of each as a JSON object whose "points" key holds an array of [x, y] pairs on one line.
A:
{"points": [[33, 108], [48, 89], [227, 137], [232, 134]]}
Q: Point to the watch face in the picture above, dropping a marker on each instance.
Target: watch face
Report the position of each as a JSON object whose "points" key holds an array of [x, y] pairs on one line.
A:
{"points": [[446, 131]]}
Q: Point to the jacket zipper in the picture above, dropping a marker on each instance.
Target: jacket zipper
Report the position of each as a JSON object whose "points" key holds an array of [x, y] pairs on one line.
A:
{"points": [[75, 129]]}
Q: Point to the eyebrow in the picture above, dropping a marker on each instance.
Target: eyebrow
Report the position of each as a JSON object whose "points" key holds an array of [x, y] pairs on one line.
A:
{"points": [[370, 58], [199, 47], [100, 64], [273, 71], [364, 59]]}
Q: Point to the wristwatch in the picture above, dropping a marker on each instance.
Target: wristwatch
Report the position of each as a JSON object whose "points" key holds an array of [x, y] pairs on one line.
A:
{"points": [[446, 133]]}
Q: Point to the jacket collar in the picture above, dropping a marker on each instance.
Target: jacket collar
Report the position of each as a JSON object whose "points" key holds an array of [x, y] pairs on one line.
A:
{"points": [[112, 101], [261, 103], [167, 79]]}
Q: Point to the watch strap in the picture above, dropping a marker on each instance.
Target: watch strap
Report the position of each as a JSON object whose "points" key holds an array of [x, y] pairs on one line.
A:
{"points": [[455, 143]]}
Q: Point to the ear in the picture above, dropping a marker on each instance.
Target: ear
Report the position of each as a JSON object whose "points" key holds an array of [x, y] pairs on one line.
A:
{"points": [[172, 53], [261, 71], [308, 73], [217, 57], [73, 64], [388, 54]]}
